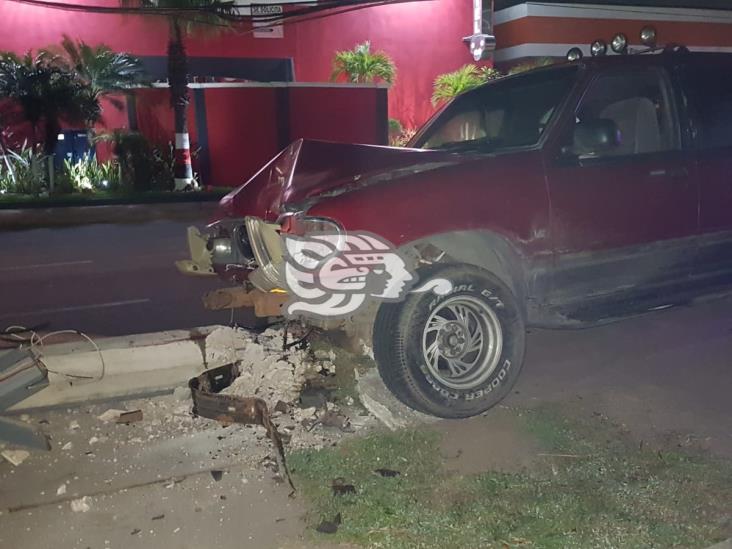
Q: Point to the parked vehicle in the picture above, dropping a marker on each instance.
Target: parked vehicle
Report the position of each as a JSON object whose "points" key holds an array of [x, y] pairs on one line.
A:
{"points": [[561, 197]]}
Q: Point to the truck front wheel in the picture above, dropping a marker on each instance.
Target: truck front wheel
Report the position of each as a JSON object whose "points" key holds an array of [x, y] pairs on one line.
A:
{"points": [[453, 355]]}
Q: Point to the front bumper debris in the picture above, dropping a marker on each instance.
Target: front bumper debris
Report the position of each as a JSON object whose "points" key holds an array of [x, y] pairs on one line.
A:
{"points": [[265, 304], [228, 409], [200, 263]]}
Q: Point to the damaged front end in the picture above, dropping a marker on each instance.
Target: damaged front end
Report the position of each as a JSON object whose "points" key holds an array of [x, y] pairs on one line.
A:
{"points": [[223, 250], [245, 246], [246, 251]]}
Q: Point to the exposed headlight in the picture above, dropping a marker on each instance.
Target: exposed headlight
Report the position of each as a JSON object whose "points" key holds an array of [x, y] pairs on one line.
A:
{"points": [[302, 225], [222, 246], [320, 225], [221, 249], [266, 244]]}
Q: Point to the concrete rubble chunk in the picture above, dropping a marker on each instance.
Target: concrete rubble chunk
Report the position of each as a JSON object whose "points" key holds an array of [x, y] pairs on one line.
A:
{"points": [[110, 415], [81, 505], [267, 372], [182, 393], [380, 402], [16, 457]]}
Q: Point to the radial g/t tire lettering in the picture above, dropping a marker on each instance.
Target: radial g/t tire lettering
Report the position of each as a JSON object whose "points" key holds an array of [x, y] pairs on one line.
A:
{"points": [[455, 355]]}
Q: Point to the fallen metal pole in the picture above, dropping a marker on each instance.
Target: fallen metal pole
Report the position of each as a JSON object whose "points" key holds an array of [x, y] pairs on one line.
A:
{"points": [[21, 374]]}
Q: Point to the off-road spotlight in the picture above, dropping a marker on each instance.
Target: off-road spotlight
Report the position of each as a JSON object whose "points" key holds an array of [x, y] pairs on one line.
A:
{"points": [[648, 36], [598, 48], [574, 54], [619, 43]]}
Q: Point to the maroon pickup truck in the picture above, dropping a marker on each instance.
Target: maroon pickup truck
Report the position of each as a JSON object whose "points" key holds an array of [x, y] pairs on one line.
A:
{"points": [[564, 196]]}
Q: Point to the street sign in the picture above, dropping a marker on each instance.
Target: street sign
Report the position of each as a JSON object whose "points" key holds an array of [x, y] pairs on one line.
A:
{"points": [[265, 29]]}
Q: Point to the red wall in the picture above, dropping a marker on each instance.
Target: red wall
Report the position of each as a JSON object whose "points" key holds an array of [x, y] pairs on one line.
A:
{"points": [[242, 132], [247, 126], [423, 38], [349, 115]]}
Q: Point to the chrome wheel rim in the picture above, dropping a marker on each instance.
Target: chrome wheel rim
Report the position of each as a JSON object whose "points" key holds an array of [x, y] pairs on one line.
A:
{"points": [[462, 342]]}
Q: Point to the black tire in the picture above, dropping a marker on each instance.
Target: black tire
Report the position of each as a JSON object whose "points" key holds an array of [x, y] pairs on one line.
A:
{"points": [[400, 340]]}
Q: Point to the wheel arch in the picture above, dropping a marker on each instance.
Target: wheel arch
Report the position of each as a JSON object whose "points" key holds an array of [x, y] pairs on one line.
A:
{"points": [[487, 250]]}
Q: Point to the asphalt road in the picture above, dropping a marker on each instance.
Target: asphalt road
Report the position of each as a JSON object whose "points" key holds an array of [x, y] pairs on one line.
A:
{"points": [[103, 279]]}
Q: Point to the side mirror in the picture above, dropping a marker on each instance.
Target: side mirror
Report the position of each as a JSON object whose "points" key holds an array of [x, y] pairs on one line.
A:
{"points": [[595, 136]]}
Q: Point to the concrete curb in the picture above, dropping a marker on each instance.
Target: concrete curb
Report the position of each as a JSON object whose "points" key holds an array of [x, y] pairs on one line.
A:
{"points": [[384, 406], [133, 366], [32, 218]]}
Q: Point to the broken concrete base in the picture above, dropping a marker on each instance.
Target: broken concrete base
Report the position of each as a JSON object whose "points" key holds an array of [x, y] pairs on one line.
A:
{"points": [[153, 363], [378, 400], [133, 365]]}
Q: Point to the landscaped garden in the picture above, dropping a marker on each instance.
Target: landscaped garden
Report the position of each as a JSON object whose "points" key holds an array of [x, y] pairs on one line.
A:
{"points": [[61, 87], [46, 92]]}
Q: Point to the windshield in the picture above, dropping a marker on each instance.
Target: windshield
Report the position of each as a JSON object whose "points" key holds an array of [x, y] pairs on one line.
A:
{"points": [[510, 113]]}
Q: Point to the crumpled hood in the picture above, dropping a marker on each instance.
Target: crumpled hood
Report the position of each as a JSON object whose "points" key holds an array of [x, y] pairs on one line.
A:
{"points": [[309, 170]]}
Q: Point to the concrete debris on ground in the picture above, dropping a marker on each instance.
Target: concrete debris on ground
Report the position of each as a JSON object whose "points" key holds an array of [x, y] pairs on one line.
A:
{"points": [[267, 372], [81, 505], [16, 457], [97, 461], [384, 406], [110, 415], [278, 377]]}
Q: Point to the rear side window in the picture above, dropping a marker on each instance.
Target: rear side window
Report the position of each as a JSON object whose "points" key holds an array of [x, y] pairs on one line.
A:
{"points": [[709, 92]]}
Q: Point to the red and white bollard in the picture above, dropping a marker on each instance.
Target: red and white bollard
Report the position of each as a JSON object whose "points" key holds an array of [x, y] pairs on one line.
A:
{"points": [[183, 167]]}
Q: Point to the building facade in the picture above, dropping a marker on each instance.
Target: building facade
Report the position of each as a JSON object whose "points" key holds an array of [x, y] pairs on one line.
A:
{"points": [[530, 30], [423, 38]]}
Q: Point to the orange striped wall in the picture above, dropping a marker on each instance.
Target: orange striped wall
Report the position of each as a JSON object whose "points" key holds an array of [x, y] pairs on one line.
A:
{"points": [[517, 34]]}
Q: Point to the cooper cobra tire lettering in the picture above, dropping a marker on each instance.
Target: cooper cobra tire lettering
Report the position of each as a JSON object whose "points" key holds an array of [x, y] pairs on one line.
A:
{"points": [[398, 345]]}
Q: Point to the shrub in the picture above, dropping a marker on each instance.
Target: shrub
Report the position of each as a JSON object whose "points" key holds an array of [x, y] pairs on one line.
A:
{"points": [[24, 171], [527, 66], [398, 135], [359, 65], [142, 165], [466, 78], [88, 175]]}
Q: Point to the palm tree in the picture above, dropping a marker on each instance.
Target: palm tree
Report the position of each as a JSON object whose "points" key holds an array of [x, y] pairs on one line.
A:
{"points": [[466, 78], [184, 17], [359, 65], [104, 70], [46, 94]]}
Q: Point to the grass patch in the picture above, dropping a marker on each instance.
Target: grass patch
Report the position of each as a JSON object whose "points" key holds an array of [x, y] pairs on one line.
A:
{"points": [[611, 493]]}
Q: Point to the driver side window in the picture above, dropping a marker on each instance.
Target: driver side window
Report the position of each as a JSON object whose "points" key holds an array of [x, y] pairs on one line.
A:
{"points": [[625, 112], [463, 126]]}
